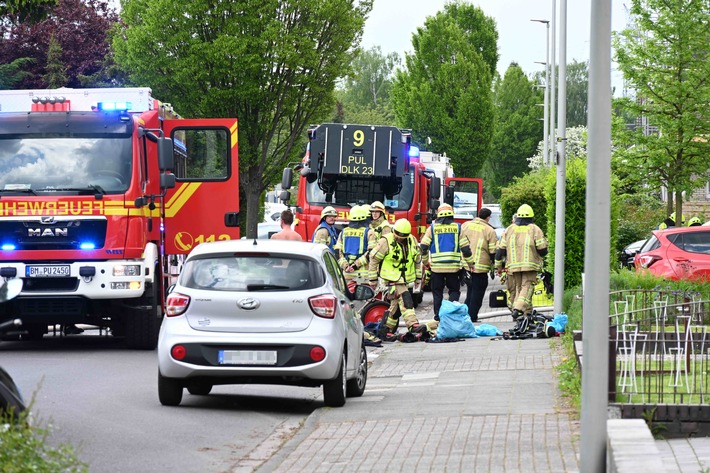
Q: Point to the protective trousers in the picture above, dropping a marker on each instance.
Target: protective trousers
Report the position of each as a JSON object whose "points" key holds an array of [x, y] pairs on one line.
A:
{"points": [[521, 286], [402, 298], [451, 281], [475, 291]]}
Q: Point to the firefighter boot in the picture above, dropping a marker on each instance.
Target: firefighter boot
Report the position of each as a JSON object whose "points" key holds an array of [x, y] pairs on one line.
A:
{"points": [[517, 314], [383, 329]]}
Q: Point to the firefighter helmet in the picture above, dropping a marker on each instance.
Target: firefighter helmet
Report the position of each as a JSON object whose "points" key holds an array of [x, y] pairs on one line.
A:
{"points": [[695, 221], [377, 206], [525, 211], [402, 227], [328, 212], [445, 210], [358, 213], [682, 219]]}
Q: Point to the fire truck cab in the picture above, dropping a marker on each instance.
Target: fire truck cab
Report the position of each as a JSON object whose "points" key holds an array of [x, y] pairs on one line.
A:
{"points": [[102, 193]]}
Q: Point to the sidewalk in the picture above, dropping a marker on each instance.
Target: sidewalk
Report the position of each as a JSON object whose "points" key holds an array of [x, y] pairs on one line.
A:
{"points": [[478, 405]]}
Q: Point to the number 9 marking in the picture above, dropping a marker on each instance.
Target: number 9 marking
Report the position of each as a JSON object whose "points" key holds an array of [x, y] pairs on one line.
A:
{"points": [[358, 137]]}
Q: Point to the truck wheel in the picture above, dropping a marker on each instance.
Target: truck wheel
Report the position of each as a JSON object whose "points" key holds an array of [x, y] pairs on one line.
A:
{"points": [[143, 325], [169, 391]]}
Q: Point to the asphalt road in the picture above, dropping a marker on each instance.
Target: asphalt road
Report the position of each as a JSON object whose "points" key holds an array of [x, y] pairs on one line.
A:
{"points": [[102, 398]]}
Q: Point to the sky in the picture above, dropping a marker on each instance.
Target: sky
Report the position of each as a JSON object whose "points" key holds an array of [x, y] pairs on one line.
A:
{"points": [[392, 23]]}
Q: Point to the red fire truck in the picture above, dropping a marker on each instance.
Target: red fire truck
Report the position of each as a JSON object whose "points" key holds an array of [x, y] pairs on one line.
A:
{"points": [[102, 193], [347, 165]]}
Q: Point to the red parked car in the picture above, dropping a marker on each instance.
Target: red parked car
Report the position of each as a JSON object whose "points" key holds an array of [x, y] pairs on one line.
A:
{"points": [[676, 253]]}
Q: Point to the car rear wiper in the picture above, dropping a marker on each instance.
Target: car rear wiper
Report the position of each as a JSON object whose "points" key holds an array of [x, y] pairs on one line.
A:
{"points": [[261, 287]]}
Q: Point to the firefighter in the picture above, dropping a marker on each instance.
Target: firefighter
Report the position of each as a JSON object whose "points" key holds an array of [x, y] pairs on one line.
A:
{"points": [[379, 219], [483, 240], [523, 246], [695, 222], [396, 260], [442, 246], [351, 248], [670, 222], [326, 233]]}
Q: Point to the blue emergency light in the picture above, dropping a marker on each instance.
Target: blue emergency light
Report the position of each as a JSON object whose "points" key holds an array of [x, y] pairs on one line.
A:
{"points": [[8, 247], [413, 152], [112, 106], [87, 246]]}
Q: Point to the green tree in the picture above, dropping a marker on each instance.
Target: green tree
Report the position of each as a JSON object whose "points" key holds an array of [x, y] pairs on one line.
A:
{"points": [[21, 11], [517, 129], [577, 96], [13, 73], [56, 76], [80, 27], [270, 63], [445, 92], [364, 97], [665, 59]]}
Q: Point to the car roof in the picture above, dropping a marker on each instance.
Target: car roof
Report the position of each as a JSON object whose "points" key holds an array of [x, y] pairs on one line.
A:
{"points": [[672, 230], [314, 250]]}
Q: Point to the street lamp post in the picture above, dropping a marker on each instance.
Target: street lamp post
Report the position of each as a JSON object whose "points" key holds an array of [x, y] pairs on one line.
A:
{"points": [[546, 132]]}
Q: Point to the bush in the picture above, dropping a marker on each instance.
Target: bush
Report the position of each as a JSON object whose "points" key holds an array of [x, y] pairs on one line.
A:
{"points": [[639, 214], [25, 448], [528, 189]]}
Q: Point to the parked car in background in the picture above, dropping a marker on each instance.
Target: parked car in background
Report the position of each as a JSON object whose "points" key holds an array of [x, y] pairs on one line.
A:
{"points": [[676, 253], [626, 257], [262, 312], [495, 220]]}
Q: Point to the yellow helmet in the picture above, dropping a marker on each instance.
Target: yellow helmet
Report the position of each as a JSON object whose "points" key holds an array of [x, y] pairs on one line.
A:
{"points": [[328, 212], [377, 206], [525, 211], [694, 221], [445, 210], [358, 213], [402, 227]]}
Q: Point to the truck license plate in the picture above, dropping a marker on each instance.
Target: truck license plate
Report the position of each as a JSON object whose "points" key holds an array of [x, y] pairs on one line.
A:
{"points": [[46, 271], [247, 357]]}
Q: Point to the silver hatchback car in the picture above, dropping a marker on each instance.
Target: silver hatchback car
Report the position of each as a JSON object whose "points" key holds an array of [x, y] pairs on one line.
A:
{"points": [[262, 312]]}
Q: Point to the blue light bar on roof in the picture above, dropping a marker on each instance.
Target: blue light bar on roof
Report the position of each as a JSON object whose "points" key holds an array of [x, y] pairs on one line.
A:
{"points": [[120, 106], [413, 152]]}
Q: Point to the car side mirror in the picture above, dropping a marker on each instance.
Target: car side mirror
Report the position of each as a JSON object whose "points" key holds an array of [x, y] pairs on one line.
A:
{"points": [[363, 293]]}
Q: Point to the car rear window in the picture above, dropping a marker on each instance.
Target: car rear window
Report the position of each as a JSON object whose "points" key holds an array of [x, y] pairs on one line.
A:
{"points": [[695, 242], [651, 244], [252, 273]]}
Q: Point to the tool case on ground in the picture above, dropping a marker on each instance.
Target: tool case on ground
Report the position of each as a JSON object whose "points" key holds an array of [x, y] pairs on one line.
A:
{"points": [[498, 298]]}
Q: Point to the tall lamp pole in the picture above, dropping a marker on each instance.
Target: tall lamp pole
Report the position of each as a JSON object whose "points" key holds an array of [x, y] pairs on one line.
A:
{"points": [[546, 132]]}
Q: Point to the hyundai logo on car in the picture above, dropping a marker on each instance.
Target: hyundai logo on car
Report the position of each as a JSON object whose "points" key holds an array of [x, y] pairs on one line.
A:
{"points": [[248, 303]]}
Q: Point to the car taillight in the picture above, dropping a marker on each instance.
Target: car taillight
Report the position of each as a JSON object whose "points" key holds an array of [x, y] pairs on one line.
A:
{"points": [[176, 304], [647, 260], [323, 306]]}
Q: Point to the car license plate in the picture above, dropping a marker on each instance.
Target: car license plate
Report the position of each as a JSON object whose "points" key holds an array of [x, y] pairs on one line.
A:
{"points": [[45, 271], [247, 357]]}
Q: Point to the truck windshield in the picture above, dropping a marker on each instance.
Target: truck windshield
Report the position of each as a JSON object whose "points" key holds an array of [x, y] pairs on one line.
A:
{"points": [[349, 192], [53, 164]]}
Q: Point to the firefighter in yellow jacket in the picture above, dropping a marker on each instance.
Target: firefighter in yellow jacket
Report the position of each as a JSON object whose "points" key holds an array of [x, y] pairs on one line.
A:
{"points": [[442, 247], [483, 240], [523, 247], [351, 247], [378, 221], [325, 232], [396, 260]]}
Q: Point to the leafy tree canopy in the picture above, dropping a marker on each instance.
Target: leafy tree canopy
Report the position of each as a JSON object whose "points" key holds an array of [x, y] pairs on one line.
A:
{"points": [[517, 128], [664, 57], [270, 63], [445, 92], [80, 29], [20, 11]]}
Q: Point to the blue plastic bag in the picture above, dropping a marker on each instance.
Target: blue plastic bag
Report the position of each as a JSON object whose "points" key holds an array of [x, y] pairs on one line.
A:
{"points": [[487, 330], [454, 321], [559, 322]]}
